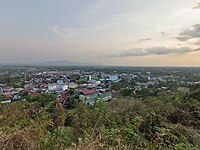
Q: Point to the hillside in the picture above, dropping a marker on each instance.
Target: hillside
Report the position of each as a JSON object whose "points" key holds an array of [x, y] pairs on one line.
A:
{"points": [[163, 122]]}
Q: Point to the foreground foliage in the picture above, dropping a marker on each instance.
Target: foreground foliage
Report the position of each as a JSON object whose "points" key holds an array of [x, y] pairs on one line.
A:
{"points": [[163, 122]]}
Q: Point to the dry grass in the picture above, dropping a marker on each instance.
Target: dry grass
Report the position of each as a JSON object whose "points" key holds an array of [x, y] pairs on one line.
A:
{"points": [[98, 143], [122, 105], [25, 139]]}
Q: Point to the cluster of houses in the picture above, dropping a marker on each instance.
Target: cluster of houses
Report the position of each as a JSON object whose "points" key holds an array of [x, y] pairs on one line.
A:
{"points": [[89, 87]]}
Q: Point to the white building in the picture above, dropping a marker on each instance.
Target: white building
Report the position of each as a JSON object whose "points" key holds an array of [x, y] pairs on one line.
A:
{"points": [[113, 78], [72, 85], [57, 87]]}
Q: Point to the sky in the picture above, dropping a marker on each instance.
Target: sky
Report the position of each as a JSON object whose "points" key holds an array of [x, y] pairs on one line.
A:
{"points": [[108, 32]]}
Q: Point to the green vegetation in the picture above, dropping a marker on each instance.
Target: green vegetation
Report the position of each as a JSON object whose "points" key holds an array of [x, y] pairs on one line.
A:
{"points": [[123, 84], [163, 122]]}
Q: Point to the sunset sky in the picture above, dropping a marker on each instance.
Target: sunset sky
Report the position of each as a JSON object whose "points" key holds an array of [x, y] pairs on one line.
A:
{"points": [[110, 32]]}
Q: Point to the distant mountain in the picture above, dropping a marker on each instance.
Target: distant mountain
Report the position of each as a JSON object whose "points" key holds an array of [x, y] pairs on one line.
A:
{"points": [[62, 63], [50, 64]]}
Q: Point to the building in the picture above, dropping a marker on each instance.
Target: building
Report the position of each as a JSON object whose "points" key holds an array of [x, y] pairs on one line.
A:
{"points": [[72, 85], [57, 87], [95, 97], [113, 78]]}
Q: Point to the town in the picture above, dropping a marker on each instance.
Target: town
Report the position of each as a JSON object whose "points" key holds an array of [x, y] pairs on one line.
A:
{"points": [[100, 75], [99, 107], [92, 84]]}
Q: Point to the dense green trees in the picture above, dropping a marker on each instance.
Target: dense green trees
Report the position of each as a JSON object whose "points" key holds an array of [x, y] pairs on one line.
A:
{"points": [[123, 84], [162, 122], [126, 92]]}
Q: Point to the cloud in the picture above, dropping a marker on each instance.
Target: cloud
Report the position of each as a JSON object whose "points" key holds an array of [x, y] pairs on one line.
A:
{"points": [[146, 39], [191, 33], [163, 34], [198, 49], [197, 43], [197, 6], [154, 51]]}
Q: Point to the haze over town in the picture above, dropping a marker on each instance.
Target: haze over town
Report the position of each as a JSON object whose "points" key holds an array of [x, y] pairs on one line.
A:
{"points": [[107, 32]]}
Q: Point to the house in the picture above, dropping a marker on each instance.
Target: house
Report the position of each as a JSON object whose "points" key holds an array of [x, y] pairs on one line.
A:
{"points": [[8, 89], [6, 101], [105, 97], [95, 83], [8, 95], [57, 87], [24, 101], [113, 78], [28, 86], [95, 97], [88, 92], [89, 98], [72, 85]]}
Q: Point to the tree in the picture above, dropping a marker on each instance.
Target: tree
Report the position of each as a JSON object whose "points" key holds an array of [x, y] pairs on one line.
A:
{"points": [[126, 92]]}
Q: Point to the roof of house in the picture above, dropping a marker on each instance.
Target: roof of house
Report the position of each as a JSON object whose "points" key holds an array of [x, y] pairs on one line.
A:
{"points": [[87, 92], [7, 87], [7, 101], [9, 95]]}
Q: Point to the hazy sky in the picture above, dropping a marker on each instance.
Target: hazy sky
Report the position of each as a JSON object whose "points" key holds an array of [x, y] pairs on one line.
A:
{"points": [[114, 32]]}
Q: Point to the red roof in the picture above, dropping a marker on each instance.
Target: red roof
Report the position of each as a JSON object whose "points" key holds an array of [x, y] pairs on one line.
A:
{"points": [[8, 95], [87, 92]]}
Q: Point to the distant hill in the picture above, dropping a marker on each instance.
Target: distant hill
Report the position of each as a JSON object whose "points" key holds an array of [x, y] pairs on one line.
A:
{"points": [[50, 63], [62, 63]]}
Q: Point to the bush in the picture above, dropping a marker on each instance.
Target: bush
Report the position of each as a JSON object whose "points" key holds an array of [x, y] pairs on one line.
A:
{"points": [[60, 138]]}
